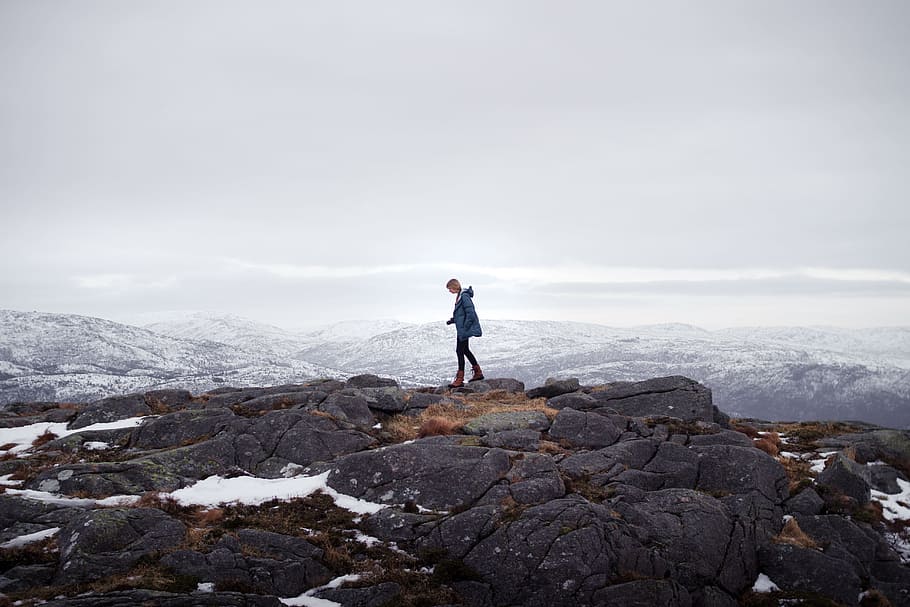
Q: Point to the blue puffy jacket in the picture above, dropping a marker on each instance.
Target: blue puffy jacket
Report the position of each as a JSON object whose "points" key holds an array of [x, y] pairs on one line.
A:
{"points": [[466, 322]]}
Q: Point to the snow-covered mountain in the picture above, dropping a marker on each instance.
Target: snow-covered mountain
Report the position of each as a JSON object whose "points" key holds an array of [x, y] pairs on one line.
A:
{"points": [[768, 373], [76, 358], [772, 373]]}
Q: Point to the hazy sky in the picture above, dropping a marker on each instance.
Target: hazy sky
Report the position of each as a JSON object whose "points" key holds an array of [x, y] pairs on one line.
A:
{"points": [[712, 162]]}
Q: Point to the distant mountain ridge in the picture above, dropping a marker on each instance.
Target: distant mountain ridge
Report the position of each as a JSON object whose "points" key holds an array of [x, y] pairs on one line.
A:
{"points": [[781, 373], [67, 357]]}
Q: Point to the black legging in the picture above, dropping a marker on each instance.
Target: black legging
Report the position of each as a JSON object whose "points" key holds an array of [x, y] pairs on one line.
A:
{"points": [[461, 349]]}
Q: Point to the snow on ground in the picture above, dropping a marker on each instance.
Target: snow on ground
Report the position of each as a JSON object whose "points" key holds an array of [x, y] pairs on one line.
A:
{"points": [[22, 540], [54, 498], [23, 436], [818, 465], [895, 507], [308, 600], [250, 490], [764, 584]]}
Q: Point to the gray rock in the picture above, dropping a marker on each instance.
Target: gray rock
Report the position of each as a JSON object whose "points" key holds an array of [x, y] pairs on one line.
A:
{"points": [[104, 542], [422, 400], [518, 440], [884, 478], [673, 466], [554, 387], [370, 381], [674, 396], [23, 577], [693, 531], [589, 430], [573, 400], [168, 398], [645, 593], [508, 420], [806, 501], [728, 468], [713, 597], [393, 525], [370, 596], [505, 383], [388, 400], [535, 479], [794, 568], [349, 407], [283, 400], [723, 437], [18, 512], [175, 429], [842, 539], [132, 598], [111, 409], [432, 474], [282, 565], [847, 477], [559, 553], [106, 479]]}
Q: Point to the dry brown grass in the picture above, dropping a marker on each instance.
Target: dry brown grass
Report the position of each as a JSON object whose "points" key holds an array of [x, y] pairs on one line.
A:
{"points": [[45, 438], [744, 428], [402, 427], [793, 535], [809, 432], [437, 426], [799, 473], [768, 445]]}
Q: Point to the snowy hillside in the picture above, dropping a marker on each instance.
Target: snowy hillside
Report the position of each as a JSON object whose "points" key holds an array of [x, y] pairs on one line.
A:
{"points": [[770, 373], [77, 358]]}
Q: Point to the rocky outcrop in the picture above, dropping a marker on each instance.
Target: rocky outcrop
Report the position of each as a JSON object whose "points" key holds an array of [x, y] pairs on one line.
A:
{"points": [[628, 493]]}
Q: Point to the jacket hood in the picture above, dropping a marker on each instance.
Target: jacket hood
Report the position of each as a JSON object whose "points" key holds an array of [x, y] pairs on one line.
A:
{"points": [[469, 291]]}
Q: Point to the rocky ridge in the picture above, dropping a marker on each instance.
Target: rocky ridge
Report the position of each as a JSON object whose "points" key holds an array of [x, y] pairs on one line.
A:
{"points": [[629, 493]]}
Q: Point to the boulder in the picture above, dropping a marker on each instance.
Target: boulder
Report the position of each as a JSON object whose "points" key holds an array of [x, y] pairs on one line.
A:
{"points": [[562, 552], [573, 400], [430, 473], [589, 430], [534, 479], [847, 477], [370, 596], [107, 478], [508, 420], [168, 399], [674, 396], [884, 478], [100, 543], [370, 381], [517, 440], [422, 400], [505, 383], [132, 598], [267, 562], [733, 469], [806, 501], [350, 407], [554, 387], [645, 593], [794, 568], [695, 532], [388, 400], [672, 466], [176, 429], [111, 409]]}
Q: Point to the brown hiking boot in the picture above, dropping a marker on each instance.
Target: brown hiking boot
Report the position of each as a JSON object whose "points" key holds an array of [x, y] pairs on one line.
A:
{"points": [[478, 374], [459, 380]]}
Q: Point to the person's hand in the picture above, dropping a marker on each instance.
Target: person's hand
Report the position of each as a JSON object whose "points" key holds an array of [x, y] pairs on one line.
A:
{"points": [[451, 321]]}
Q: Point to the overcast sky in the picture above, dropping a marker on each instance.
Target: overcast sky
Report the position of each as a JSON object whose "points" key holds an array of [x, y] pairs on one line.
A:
{"points": [[718, 163]]}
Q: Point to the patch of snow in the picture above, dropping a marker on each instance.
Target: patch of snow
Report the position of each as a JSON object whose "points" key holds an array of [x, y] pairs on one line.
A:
{"points": [[250, 490], [367, 540], [818, 464], [764, 584], [895, 507], [205, 587], [7, 481], [29, 538], [96, 445], [54, 498], [23, 436], [308, 600]]}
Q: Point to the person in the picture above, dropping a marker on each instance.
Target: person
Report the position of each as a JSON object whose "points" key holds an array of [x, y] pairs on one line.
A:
{"points": [[467, 325]]}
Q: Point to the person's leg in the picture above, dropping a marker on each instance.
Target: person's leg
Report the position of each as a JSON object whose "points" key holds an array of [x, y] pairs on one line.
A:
{"points": [[468, 353], [461, 349]]}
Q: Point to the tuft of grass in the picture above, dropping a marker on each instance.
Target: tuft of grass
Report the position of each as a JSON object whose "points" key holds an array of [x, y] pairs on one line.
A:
{"points": [[806, 433], [799, 473], [45, 438], [793, 535], [401, 428], [437, 426]]}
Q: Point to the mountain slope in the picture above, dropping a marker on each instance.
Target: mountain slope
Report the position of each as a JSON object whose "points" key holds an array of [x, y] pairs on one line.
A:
{"points": [[69, 357]]}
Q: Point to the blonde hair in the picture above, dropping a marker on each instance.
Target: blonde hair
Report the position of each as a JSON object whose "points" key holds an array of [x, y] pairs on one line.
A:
{"points": [[453, 284]]}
